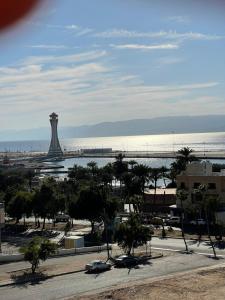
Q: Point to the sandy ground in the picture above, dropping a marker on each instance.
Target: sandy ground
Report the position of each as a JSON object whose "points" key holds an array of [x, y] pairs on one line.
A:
{"points": [[206, 285]]}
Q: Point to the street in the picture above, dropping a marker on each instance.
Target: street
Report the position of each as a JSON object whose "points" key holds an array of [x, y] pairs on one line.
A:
{"points": [[178, 244], [74, 284]]}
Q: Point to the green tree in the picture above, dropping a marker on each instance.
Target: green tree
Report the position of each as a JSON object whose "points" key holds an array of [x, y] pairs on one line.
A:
{"points": [[47, 202], [37, 250], [132, 163], [93, 170], [79, 174], [119, 168], [106, 175], [156, 174], [132, 234], [20, 205], [89, 205], [203, 199], [142, 173], [186, 155]]}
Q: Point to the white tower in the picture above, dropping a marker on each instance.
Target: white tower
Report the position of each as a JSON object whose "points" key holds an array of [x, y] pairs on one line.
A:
{"points": [[54, 149]]}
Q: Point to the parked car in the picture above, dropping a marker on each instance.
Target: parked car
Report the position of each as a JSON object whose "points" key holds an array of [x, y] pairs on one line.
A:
{"points": [[156, 221], [174, 221], [97, 266], [198, 222], [126, 261], [62, 218]]}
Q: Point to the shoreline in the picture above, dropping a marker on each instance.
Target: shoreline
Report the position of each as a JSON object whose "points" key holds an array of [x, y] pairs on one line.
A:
{"points": [[127, 154]]}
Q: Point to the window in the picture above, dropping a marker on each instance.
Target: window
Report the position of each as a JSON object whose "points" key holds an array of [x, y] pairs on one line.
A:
{"points": [[211, 186], [196, 185], [182, 185]]}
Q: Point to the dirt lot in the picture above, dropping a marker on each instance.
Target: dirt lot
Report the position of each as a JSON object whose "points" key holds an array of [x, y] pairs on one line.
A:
{"points": [[206, 285]]}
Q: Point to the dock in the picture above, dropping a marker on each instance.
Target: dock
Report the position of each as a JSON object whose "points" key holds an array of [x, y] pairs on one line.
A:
{"points": [[42, 157]]}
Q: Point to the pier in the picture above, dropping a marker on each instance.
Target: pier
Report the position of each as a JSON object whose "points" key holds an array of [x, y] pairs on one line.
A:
{"points": [[35, 156]]}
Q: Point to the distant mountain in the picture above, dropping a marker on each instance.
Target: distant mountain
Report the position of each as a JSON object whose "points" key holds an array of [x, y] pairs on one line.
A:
{"points": [[181, 124]]}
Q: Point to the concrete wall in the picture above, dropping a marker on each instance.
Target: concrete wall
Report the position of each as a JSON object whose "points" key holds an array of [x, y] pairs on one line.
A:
{"points": [[60, 252]]}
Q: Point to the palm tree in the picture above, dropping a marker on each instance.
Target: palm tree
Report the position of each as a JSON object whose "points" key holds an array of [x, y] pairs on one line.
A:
{"points": [[132, 163], [93, 169], [155, 175], [186, 155], [182, 196], [119, 167], [164, 171], [142, 173], [202, 192]]}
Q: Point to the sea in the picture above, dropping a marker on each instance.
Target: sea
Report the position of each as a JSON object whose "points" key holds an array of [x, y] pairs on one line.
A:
{"points": [[213, 141]]}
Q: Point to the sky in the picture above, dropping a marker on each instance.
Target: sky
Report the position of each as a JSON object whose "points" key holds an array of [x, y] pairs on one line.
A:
{"points": [[92, 61]]}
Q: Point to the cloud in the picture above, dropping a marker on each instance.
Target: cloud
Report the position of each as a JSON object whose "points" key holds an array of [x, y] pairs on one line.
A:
{"points": [[48, 47], [179, 19], [80, 57], [88, 88], [172, 35], [79, 30], [76, 29], [72, 27], [146, 47]]}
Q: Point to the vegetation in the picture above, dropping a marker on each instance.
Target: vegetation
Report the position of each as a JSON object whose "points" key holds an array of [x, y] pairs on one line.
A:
{"points": [[37, 250], [98, 193], [132, 234]]}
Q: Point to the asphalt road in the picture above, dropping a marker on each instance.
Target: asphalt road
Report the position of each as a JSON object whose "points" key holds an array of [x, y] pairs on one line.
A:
{"points": [[178, 244], [79, 283]]}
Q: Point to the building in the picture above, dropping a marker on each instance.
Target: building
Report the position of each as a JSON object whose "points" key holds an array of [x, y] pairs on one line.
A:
{"points": [[201, 173], [55, 148], [159, 200]]}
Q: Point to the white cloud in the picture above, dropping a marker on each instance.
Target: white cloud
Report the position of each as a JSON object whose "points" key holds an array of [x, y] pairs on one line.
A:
{"points": [[48, 47], [72, 27], [179, 19], [76, 29], [84, 31], [80, 57], [146, 47], [84, 88], [171, 34]]}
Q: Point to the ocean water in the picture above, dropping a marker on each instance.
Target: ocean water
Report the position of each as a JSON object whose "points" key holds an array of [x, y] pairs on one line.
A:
{"points": [[164, 142]]}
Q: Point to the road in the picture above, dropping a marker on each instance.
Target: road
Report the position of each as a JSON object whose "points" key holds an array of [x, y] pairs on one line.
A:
{"points": [[79, 283], [178, 244]]}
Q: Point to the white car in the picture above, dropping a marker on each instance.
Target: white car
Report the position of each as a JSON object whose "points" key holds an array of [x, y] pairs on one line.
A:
{"points": [[174, 221], [198, 222], [97, 266]]}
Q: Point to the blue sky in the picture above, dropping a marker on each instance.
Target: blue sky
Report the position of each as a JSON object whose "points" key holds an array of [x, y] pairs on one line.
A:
{"points": [[108, 60]]}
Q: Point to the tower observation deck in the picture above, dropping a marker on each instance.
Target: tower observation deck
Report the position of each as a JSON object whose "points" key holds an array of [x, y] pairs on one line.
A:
{"points": [[54, 149]]}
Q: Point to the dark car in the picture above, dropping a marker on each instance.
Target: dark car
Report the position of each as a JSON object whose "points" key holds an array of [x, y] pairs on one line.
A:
{"points": [[126, 261]]}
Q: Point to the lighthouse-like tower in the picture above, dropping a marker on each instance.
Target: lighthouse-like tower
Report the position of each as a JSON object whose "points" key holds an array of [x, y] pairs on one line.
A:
{"points": [[54, 149]]}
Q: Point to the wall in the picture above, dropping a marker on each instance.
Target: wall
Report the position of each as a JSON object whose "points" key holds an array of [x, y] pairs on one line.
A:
{"points": [[60, 252]]}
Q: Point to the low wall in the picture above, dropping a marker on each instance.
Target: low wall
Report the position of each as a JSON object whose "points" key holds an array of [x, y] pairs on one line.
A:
{"points": [[60, 252]]}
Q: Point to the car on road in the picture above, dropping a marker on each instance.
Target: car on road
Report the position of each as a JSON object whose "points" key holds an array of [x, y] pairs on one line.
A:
{"points": [[174, 221], [62, 218], [198, 222], [97, 266], [126, 261], [156, 221]]}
